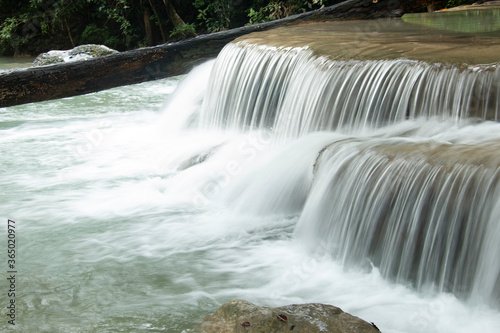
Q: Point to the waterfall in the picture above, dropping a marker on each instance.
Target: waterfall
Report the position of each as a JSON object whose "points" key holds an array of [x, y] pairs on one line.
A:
{"points": [[408, 180], [418, 211], [270, 174], [295, 92]]}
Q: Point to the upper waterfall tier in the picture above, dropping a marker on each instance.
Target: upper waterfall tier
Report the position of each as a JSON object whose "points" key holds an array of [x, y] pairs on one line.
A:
{"points": [[293, 91], [389, 39]]}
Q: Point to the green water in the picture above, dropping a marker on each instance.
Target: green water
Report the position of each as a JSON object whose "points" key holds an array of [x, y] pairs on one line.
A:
{"points": [[18, 62], [473, 21], [412, 37]]}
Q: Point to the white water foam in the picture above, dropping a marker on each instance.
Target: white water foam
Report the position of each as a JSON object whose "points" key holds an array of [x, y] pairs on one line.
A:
{"points": [[143, 228]]}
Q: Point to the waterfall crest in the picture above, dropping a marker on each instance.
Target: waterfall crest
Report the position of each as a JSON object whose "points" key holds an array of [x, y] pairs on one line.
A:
{"points": [[295, 92]]}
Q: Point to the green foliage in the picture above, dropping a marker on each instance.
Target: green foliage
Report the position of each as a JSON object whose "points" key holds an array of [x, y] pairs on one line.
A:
{"points": [[119, 14], [183, 31], [8, 28], [35, 26], [214, 15], [10, 40], [281, 9], [119, 29], [95, 35], [273, 11]]}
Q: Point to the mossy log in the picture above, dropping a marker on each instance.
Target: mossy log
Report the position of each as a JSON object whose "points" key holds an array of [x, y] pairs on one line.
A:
{"points": [[36, 84]]}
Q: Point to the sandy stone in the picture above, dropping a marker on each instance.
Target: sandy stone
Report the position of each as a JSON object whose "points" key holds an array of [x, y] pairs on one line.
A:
{"points": [[241, 316]]}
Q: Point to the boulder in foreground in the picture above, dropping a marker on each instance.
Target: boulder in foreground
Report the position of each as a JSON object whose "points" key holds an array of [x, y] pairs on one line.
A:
{"points": [[241, 316]]}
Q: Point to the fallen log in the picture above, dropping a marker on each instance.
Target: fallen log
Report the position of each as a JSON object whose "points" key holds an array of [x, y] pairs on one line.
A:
{"points": [[36, 84]]}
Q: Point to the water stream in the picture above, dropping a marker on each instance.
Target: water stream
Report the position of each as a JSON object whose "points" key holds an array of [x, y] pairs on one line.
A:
{"points": [[145, 207]]}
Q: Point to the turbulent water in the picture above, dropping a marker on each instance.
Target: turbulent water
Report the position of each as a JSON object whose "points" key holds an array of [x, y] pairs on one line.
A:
{"points": [[138, 215], [420, 209]]}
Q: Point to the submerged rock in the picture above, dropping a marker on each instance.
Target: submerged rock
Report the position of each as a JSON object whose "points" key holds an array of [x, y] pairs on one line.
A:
{"points": [[82, 52], [242, 316], [198, 158]]}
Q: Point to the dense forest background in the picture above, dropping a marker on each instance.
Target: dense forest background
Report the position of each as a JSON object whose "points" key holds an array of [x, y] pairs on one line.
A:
{"points": [[29, 27]]}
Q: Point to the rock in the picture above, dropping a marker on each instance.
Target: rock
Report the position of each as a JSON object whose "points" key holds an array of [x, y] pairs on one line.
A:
{"points": [[242, 316], [82, 52], [198, 158]]}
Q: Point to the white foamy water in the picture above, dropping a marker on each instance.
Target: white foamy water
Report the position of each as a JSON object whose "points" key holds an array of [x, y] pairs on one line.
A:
{"points": [[133, 218]]}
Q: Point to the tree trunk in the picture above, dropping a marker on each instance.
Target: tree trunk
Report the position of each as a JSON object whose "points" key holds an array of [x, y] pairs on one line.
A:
{"points": [[69, 32], [172, 14], [76, 78], [147, 26], [163, 35]]}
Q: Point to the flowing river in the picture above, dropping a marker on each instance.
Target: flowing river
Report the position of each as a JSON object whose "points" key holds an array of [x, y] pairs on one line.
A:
{"points": [[269, 174]]}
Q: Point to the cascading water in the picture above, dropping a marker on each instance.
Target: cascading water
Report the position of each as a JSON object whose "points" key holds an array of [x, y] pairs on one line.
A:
{"points": [[295, 92], [272, 175], [418, 206], [418, 211]]}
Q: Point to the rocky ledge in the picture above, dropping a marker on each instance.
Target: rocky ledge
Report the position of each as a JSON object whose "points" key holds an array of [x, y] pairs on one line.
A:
{"points": [[242, 316]]}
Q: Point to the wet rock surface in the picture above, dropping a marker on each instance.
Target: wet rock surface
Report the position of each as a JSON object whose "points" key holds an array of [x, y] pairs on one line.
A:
{"points": [[82, 52], [242, 316]]}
